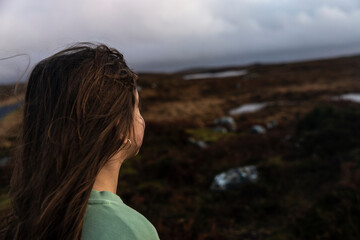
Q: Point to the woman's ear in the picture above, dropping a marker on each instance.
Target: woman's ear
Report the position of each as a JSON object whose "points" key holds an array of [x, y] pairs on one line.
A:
{"points": [[125, 138], [121, 134]]}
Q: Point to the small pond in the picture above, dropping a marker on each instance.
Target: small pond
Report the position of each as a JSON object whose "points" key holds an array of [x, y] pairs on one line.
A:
{"points": [[223, 74], [249, 107], [8, 108], [355, 97]]}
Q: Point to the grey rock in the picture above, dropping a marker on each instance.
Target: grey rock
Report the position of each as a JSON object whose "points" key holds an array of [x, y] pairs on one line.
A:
{"points": [[226, 122], [271, 124], [4, 161], [198, 143], [258, 129], [234, 177]]}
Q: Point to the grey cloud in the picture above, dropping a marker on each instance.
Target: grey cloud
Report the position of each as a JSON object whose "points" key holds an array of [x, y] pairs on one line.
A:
{"points": [[173, 34]]}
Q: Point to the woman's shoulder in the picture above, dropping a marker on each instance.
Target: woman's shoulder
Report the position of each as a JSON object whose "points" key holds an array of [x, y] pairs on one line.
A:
{"points": [[107, 217]]}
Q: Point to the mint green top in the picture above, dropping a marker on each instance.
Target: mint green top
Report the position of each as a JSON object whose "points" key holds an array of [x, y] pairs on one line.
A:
{"points": [[108, 217]]}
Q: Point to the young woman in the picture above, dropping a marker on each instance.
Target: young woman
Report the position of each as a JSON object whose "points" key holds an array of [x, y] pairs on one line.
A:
{"points": [[81, 121]]}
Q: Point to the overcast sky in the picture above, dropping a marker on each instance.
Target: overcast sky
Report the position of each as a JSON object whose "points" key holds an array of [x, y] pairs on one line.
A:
{"points": [[170, 35]]}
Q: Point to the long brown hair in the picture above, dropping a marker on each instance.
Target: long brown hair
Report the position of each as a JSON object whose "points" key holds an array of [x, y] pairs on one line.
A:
{"points": [[78, 112]]}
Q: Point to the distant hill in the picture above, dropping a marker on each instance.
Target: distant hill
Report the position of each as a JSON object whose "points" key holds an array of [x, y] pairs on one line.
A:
{"points": [[258, 64]]}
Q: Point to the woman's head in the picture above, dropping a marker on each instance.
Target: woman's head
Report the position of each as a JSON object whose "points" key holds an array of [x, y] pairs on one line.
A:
{"points": [[80, 110]]}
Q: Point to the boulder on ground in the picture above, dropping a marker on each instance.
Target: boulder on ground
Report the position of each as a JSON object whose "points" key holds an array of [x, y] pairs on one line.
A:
{"points": [[257, 129], [234, 177], [198, 143], [225, 122], [271, 124]]}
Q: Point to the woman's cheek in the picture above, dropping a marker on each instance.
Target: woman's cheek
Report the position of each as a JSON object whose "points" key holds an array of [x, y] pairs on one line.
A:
{"points": [[141, 130]]}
